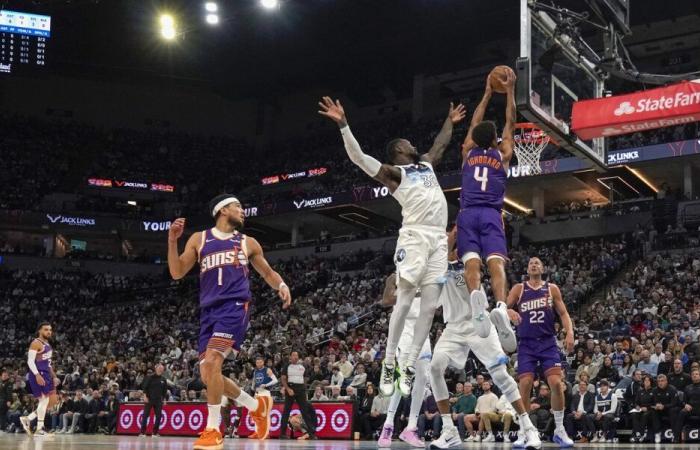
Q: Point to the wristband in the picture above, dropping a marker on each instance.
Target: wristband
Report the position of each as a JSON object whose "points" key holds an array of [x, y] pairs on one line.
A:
{"points": [[282, 284]]}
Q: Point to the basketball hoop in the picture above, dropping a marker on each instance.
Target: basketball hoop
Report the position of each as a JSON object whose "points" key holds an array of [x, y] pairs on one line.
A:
{"points": [[530, 140]]}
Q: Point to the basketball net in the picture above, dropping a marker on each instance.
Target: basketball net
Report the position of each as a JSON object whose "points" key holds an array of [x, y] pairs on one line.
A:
{"points": [[530, 140]]}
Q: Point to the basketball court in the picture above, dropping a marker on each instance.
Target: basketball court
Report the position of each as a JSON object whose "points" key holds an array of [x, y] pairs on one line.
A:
{"points": [[82, 442]]}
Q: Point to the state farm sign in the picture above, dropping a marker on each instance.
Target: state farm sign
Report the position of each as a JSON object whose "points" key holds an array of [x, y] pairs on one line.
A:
{"points": [[622, 114]]}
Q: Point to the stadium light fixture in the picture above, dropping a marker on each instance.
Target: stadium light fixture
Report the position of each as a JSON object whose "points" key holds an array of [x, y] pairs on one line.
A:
{"points": [[167, 27], [212, 19], [644, 179], [211, 7], [516, 205], [270, 4]]}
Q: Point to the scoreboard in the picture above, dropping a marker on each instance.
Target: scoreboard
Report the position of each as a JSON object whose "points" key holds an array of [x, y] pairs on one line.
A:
{"points": [[23, 40]]}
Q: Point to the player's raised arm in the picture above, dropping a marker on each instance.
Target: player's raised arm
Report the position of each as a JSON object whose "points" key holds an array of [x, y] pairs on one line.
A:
{"points": [[180, 264], [386, 174], [513, 296], [442, 140], [508, 143], [477, 118], [272, 278], [566, 323]]}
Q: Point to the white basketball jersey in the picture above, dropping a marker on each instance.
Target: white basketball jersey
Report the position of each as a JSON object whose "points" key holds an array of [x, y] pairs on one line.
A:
{"points": [[421, 198], [454, 297]]}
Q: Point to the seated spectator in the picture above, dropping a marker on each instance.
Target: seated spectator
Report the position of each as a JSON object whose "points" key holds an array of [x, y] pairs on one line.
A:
{"points": [[61, 407], [608, 372], [641, 413], [463, 407], [628, 366], [665, 366], [540, 407], [646, 365], [337, 378], [429, 418], [360, 378], [14, 412], [587, 367], [504, 414], [112, 409], [605, 411], [75, 415], [580, 413], [691, 405], [371, 422], [633, 387], [486, 403], [96, 415], [678, 378], [658, 356], [665, 405], [319, 396]]}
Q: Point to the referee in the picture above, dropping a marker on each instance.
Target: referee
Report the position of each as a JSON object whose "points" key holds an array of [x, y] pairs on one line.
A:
{"points": [[155, 388], [295, 391]]}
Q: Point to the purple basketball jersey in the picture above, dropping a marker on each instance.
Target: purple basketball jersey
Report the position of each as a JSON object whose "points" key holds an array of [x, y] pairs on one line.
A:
{"points": [[537, 314], [483, 179], [43, 366], [223, 269], [43, 358]]}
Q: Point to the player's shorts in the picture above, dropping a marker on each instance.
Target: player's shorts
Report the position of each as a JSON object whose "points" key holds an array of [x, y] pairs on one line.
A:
{"points": [[36, 389], [457, 340], [542, 351], [405, 345], [223, 326], [480, 230], [421, 255]]}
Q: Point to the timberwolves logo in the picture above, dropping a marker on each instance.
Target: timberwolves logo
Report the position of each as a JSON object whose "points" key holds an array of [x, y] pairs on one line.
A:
{"points": [[400, 255]]}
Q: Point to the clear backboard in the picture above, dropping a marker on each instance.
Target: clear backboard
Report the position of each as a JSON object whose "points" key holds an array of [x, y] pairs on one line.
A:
{"points": [[552, 75]]}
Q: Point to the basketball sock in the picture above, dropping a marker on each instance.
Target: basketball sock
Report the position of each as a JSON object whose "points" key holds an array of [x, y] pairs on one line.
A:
{"points": [[245, 400], [32, 416], [447, 422], [393, 406], [214, 416], [404, 297], [525, 421], [559, 420], [413, 421], [39, 425]]}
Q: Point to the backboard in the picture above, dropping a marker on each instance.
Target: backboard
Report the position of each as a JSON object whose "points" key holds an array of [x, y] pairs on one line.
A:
{"points": [[552, 75]]}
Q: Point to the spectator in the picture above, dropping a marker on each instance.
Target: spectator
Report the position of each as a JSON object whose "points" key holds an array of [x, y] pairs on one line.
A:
{"points": [[486, 403], [462, 407], [608, 372], [344, 366], [618, 356], [634, 387], [96, 416], [155, 388], [691, 407], [665, 405], [371, 422], [628, 367], [360, 379], [678, 378], [580, 413], [60, 408], [5, 397], [75, 414], [337, 378], [504, 414], [605, 412], [319, 396], [646, 365], [14, 412], [112, 409], [540, 407], [643, 406], [658, 356], [429, 418], [587, 367]]}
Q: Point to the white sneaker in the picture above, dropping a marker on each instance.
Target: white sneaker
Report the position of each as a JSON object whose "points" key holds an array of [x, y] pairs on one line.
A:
{"points": [[40, 433], [520, 442], [448, 439], [386, 380], [532, 438], [406, 381], [61, 431], [477, 438], [26, 424], [499, 318], [470, 438], [480, 317], [560, 437], [657, 438], [489, 438], [595, 439]]}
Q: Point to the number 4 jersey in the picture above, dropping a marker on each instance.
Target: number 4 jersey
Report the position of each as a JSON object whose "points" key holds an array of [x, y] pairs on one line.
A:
{"points": [[223, 267], [483, 179]]}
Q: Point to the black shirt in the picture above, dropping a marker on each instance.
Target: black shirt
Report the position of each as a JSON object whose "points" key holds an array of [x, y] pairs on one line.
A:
{"points": [[644, 398], [667, 397], [155, 387], [692, 396], [5, 392], [679, 380]]}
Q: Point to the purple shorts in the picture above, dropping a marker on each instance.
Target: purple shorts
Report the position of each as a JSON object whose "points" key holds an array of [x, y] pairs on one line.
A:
{"points": [[534, 353], [480, 230], [37, 390], [223, 326]]}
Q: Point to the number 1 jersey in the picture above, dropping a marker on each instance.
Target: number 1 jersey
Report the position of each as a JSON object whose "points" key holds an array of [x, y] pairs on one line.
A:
{"points": [[223, 268], [483, 179]]}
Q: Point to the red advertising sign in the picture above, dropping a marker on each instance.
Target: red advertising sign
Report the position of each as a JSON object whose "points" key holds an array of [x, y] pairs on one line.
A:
{"points": [[274, 179], [646, 110], [333, 420]]}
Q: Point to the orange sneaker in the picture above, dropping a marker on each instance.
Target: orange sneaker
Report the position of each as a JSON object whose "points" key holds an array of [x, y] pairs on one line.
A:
{"points": [[209, 440], [254, 435], [261, 417]]}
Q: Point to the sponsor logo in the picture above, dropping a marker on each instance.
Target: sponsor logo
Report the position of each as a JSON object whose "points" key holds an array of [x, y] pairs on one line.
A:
{"points": [[313, 203], [223, 335], [340, 421], [648, 125], [650, 104], [100, 182], [126, 419], [6, 68], [320, 419], [71, 221], [524, 170], [622, 157], [162, 187], [318, 171], [295, 175], [195, 420], [156, 226], [177, 420], [131, 184], [271, 180]]}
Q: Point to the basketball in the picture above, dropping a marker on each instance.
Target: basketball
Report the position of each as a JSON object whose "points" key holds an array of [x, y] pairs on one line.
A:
{"points": [[497, 78]]}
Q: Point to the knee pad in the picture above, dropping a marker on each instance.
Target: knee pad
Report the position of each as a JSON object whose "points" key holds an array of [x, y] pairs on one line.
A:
{"points": [[505, 383]]}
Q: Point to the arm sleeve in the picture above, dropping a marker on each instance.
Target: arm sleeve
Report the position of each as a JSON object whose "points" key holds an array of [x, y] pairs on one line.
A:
{"points": [[31, 361], [272, 382], [365, 162]]}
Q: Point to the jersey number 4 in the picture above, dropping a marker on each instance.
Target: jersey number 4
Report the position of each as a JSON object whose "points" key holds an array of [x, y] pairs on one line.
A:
{"points": [[483, 178], [536, 316]]}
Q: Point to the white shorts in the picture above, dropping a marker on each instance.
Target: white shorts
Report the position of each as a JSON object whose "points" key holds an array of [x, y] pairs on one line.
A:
{"points": [[457, 341], [405, 346], [421, 255]]}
